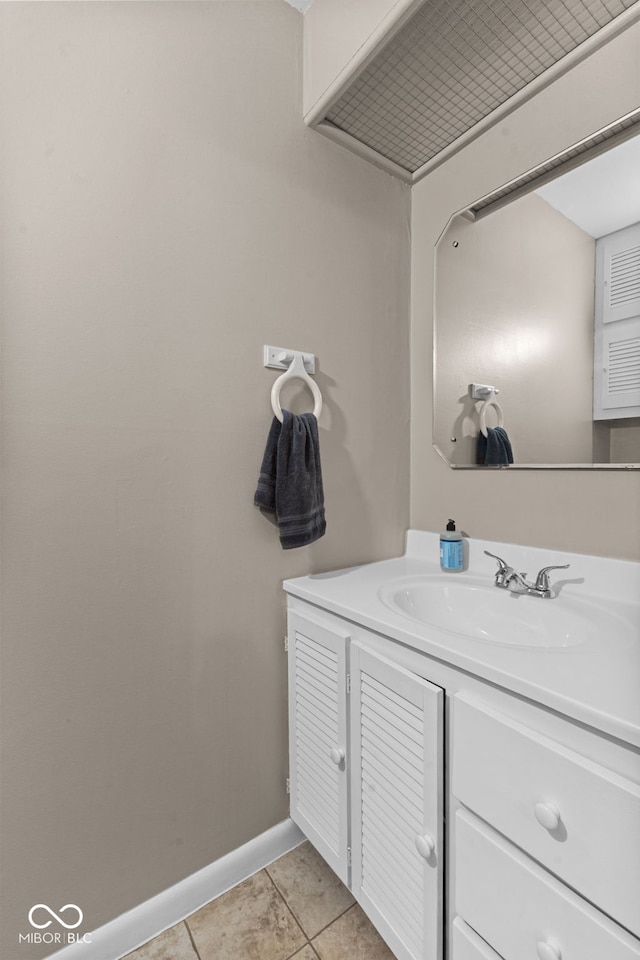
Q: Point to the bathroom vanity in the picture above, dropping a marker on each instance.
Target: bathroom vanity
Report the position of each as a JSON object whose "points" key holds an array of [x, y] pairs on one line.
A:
{"points": [[467, 759]]}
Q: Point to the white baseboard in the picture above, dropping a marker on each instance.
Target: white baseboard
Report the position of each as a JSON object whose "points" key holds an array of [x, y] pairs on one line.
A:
{"points": [[130, 930]]}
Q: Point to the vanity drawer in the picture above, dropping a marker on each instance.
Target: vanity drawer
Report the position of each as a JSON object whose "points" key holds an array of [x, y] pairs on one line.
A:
{"points": [[521, 910], [521, 782], [467, 945]]}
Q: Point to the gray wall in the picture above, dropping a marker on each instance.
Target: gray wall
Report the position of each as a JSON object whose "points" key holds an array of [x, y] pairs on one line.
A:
{"points": [[166, 213], [587, 512]]}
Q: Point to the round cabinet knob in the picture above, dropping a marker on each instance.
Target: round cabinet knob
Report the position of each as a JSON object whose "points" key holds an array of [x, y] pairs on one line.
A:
{"points": [[425, 845], [547, 814], [548, 951], [337, 755]]}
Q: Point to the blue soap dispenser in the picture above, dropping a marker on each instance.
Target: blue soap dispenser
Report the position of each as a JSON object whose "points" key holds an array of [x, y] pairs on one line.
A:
{"points": [[451, 548]]}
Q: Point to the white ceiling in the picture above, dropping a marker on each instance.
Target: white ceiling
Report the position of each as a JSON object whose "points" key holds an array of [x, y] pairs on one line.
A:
{"points": [[601, 195]]}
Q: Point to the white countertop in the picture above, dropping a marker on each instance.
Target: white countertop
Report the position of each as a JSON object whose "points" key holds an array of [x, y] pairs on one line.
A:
{"points": [[596, 682]]}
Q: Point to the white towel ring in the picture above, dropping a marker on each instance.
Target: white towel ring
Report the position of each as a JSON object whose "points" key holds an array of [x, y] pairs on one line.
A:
{"points": [[296, 371], [483, 415]]}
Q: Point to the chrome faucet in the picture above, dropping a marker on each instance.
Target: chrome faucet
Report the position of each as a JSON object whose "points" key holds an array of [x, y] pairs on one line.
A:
{"points": [[510, 579]]}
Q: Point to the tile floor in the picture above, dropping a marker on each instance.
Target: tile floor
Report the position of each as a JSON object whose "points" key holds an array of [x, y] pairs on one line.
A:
{"points": [[294, 909]]}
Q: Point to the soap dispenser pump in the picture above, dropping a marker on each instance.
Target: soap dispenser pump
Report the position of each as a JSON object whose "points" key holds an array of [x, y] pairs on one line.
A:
{"points": [[451, 548]]}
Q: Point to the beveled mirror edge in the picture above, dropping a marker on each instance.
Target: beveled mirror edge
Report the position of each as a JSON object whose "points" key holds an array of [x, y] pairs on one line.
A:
{"points": [[539, 466]]}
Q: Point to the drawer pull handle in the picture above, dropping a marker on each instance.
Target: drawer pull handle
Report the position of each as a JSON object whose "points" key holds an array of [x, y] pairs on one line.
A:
{"points": [[337, 755], [425, 845], [548, 951], [548, 815]]}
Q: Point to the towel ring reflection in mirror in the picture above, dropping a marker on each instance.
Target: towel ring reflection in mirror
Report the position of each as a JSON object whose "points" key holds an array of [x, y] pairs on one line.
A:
{"points": [[483, 415], [296, 371]]}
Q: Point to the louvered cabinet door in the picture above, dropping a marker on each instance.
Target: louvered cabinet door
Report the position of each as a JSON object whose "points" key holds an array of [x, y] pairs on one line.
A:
{"points": [[318, 738], [397, 795], [617, 325], [618, 283]]}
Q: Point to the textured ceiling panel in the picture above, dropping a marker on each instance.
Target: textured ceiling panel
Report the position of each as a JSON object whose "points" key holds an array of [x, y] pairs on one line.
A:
{"points": [[453, 63]]}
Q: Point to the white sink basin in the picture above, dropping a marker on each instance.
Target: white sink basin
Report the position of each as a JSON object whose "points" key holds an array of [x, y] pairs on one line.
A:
{"points": [[474, 607]]}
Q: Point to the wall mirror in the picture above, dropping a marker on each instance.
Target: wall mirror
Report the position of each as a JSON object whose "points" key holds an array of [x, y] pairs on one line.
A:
{"points": [[537, 294]]}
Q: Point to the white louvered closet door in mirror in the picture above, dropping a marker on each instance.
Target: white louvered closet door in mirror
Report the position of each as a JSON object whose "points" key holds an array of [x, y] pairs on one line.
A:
{"points": [[318, 738], [397, 795], [617, 325]]}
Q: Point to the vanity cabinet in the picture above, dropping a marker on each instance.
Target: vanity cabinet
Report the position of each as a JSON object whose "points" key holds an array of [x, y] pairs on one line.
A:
{"points": [[467, 945], [537, 816], [523, 911], [370, 796], [557, 832], [318, 736], [397, 741], [577, 818]]}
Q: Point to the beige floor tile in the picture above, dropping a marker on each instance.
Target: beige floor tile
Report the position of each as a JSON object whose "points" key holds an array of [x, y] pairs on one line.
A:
{"points": [[351, 937], [307, 953], [250, 922], [312, 890], [173, 944]]}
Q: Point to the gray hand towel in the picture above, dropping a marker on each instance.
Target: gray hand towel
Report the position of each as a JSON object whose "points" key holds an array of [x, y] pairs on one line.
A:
{"points": [[290, 481], [494, 450]]}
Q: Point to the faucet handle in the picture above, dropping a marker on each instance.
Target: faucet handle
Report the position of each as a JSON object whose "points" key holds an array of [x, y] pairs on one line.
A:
{"points": [[503, 572], [542, 580], [504, 567]]}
